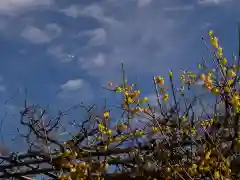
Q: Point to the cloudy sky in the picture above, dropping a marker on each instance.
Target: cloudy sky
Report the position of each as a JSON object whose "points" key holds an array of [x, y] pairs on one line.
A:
{"points": [[63, 52]]}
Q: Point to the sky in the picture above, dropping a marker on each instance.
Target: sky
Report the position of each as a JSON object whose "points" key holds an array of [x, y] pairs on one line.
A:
{"points": [[64, 52]]}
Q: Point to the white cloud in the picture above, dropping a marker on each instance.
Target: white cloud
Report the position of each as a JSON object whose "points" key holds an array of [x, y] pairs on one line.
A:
{"points": [[12, 7], [35, 35], [93, 10], [53, 30], [75, 90], [93, 62], [59, 53], [72, 85], [97, 36], [72, 11], [179, 8], [213, 2], [143, 3], [143, 45]]}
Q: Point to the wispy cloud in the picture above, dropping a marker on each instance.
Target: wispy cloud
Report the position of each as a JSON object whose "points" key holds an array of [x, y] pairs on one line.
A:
{"points": [[213, 2], [97, 36], [179, 8], [92, 63], [141, 44], [143, 3], [59, 53], [72, 85], [72, 11], [53, 30], [75, 90], [11, 7], [35, 35], [94, 10]]}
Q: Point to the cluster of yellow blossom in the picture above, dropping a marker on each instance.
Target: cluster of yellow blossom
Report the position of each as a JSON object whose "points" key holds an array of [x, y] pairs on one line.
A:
{"points": [[213, 164], [72, 168], [236, 102], [215, 44], [206, 123], [188, 131], [162, 129], [130, 98], [106, 115], [208, 82], [104, 130], [160, 81], [188, 77]]}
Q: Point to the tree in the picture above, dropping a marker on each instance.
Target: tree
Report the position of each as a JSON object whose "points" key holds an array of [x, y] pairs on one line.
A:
{"points": [[167, 141]]}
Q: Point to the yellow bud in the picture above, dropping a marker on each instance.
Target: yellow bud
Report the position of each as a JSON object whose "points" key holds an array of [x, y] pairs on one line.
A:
{"points": [[215, 91], [203, 77], [106, 114], [208, 154], [165, 97], [144, 100], [210, 33], [109, 131], [231, 73], [106, 165], [216, 175], [160, 80], [73, 169], [223, 61], [118, 89]]}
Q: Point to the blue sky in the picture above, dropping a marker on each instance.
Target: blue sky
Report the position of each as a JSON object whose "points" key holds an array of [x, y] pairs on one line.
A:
{"points": [[65, 51]]}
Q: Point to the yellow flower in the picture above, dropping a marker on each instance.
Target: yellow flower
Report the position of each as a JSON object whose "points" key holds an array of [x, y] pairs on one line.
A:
{"points": [[129, 100], [105, 165], [67, 152], [235, 99], [160, 80], [73, 169], [118, 89], [110, 84], [194, 166], [106, 114], [208, 154], [170, 73], [214, 42], [202, 77], [109, 131], [210, 33], [155, 129], [193, 131], [144, 100], [229, 82], [215, 91], [101, 127], [227, 89], [223, 61], [137, 92], [216, 175], [220, 55], [220, 50], [165, 97], [231, 73]]}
